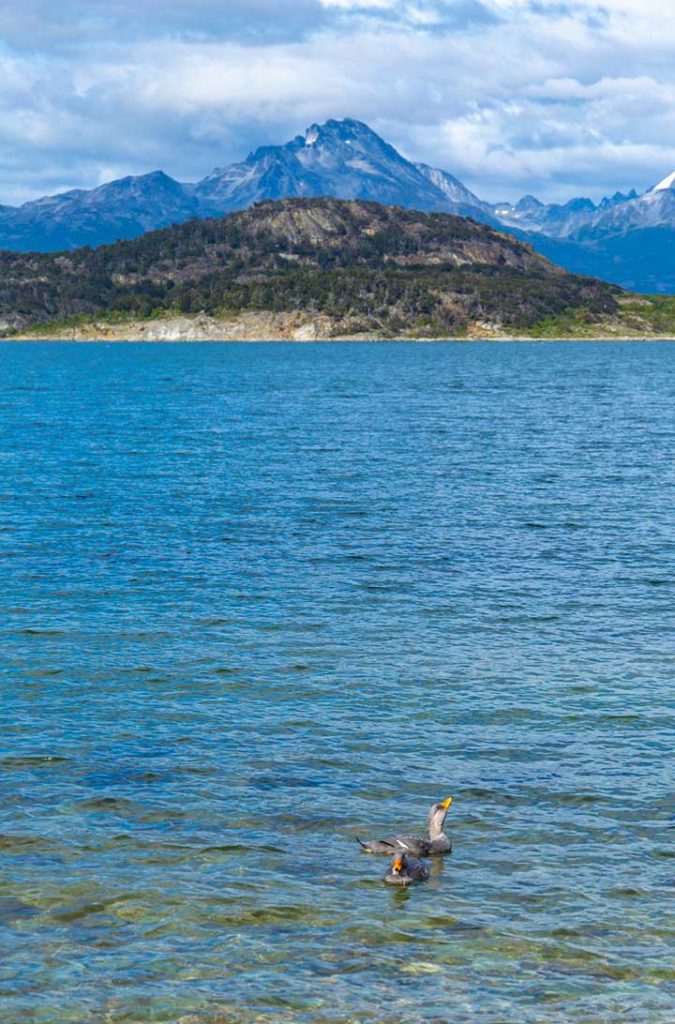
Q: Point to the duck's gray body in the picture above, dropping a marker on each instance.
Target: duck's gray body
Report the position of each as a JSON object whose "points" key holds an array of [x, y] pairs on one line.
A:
{"points": [[417, 846], [406, 870]]}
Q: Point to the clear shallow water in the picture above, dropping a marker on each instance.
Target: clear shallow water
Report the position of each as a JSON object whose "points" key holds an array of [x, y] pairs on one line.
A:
{"points": [[258, 600]]}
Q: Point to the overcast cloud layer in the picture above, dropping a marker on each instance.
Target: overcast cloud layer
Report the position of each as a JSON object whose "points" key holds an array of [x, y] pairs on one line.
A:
{"points": [[512, 96]]}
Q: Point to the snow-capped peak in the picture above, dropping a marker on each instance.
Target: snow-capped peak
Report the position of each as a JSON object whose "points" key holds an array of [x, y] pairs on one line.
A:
{"points": [[667, 183], [311, 135]]}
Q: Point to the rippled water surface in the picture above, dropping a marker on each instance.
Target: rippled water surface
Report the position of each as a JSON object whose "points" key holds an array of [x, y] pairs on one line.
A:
{"points": [[259, 600]]}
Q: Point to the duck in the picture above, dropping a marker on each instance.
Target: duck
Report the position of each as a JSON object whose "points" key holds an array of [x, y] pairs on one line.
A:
{"points": [[417, 846], [406, 870]]}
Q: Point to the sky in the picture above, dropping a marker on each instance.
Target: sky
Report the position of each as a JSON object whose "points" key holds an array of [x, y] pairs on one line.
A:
{"points": [[558, 99]]}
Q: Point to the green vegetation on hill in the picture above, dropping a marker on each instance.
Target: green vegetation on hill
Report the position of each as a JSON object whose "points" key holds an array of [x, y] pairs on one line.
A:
{"points": [[375, 268], [638, 316]]}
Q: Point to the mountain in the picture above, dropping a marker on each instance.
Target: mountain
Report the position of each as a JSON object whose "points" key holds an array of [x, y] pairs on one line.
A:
{"points": [[345, 159], [581, 220], [557, 220], [366, 267], [464, 202], [125, 208], [654, 209], [640, 260], [626, 239]]}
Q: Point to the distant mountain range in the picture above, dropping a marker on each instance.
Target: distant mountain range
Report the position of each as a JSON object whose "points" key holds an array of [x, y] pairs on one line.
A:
{"points": [[627, 239]]}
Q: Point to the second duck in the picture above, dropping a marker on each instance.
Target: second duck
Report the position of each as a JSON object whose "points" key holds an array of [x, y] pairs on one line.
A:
{"points": [[417, 846]]}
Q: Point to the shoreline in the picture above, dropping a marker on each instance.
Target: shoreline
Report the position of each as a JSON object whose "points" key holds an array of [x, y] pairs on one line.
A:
{"points": [[328, 341], [285, 327]]}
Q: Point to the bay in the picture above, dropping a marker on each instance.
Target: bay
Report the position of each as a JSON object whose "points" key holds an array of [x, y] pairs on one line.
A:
{"points": [[259, 600]]}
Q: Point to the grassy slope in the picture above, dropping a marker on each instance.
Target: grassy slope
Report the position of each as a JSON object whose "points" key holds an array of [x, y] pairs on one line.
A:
{"points": [[638, 316]]}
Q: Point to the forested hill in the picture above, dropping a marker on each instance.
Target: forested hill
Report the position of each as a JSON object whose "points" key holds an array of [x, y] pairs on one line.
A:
{"points": [[372, 267]]}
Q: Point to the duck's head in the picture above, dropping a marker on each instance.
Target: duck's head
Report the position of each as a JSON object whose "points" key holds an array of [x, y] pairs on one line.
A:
{"points": [[399, 873], [398, 865], [437, 816]]}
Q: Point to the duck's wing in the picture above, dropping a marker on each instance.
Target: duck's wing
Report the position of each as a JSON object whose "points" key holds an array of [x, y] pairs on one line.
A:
{"points": [[383, 846], [416, 846]]}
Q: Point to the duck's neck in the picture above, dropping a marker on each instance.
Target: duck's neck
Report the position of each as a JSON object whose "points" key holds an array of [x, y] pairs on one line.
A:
{"points": [[436, 832]]}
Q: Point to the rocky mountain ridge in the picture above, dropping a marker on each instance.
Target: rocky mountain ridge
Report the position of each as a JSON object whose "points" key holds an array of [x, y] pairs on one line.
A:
{"points": [[344, 159]]}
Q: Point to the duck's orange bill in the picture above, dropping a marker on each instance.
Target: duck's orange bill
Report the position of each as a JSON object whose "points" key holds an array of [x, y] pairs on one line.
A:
{"points": [[446, 803], [398, 863]]}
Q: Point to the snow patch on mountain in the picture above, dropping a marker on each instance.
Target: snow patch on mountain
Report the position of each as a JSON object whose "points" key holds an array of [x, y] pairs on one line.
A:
{"points": [[667, 183]]}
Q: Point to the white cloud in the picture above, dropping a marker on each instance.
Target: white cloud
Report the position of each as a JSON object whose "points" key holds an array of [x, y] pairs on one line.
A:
{"points": [[359, 5], [512, 96]]}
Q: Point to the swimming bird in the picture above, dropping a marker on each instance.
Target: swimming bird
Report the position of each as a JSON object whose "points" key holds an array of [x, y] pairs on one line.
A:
{"points": [[417, 846], [406, 870]]}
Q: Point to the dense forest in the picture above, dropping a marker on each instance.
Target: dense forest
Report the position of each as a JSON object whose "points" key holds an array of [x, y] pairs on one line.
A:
{"points": [[372, 266]]}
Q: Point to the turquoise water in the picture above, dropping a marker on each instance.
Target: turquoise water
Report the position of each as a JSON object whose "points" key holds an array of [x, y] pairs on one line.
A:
{"points": [[259, 600]]}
